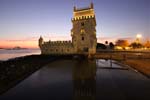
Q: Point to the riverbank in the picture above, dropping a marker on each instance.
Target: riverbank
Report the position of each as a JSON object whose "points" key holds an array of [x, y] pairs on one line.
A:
{"points": [[141, 65], [137, 60]]}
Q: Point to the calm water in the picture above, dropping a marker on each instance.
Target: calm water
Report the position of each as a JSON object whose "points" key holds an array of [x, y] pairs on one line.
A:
{"points": [[82, 80], [8, 54]]}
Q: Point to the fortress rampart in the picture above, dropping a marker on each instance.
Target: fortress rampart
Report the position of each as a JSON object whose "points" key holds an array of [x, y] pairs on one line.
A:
{"points": [[57, 47]]}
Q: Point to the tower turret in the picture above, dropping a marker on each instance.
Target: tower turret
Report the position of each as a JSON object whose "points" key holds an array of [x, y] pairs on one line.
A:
{"points": [[74, 8], [40, 41], [92, 5]]}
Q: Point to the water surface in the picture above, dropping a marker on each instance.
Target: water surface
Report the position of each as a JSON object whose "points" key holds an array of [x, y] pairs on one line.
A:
{"points": [[9, 54], [82, 80]]}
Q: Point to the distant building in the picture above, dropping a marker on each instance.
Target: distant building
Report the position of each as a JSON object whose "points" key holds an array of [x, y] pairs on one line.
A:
{"points": [[83, 35]]}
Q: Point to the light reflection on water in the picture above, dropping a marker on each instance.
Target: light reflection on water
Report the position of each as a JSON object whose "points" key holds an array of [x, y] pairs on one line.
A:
{"points": [[80, 80], [84, 80], [65, 79]]}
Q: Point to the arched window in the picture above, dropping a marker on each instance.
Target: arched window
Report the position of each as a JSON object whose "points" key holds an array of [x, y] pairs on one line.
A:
{"points": [[82, 24]]}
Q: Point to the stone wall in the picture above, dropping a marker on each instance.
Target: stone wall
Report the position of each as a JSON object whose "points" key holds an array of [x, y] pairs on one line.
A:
{"points": [[57, 47]]}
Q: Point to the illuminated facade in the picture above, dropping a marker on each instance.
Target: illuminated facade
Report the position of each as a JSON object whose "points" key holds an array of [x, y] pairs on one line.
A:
{"points": [[83, 35]]}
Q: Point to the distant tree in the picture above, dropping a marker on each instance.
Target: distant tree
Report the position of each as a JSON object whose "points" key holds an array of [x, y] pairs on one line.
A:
{"points": [[106, 42], [111, 45], [147, 44], [122, 43], [100, 46], [136, 45]]}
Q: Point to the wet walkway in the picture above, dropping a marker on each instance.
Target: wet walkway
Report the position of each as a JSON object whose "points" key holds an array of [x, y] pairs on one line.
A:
{"points": [[82, 80]]}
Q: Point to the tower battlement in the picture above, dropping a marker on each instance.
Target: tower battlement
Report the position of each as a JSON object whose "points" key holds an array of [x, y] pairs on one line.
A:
{"points": [[60, 43], [82, 18], [84, 12]]}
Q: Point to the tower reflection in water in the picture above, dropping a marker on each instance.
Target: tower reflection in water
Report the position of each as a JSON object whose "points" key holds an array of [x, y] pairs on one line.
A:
{"points": [[84, 80]]}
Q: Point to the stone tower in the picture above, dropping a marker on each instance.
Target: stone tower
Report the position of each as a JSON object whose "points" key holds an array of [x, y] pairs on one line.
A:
{"points": [[84, 30]]}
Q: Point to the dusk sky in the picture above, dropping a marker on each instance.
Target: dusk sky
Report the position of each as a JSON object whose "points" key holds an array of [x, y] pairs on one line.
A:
{"points": [[23, 21]]}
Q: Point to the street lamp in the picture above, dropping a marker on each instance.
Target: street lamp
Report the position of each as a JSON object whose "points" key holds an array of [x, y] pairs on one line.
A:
{"points": [[138, 36]]}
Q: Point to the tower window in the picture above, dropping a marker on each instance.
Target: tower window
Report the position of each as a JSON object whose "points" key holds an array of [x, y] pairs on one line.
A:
{"points": [[82, 31], [71, 33], [82, 38], [82, 24]]}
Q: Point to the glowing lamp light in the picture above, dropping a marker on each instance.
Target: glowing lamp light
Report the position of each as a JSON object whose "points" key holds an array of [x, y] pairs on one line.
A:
{"points": [[138, 36]]}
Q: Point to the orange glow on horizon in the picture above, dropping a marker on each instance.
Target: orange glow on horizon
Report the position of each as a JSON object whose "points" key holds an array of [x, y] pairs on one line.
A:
{"points": [[22, 44], [29, 43], [34, 43]]}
